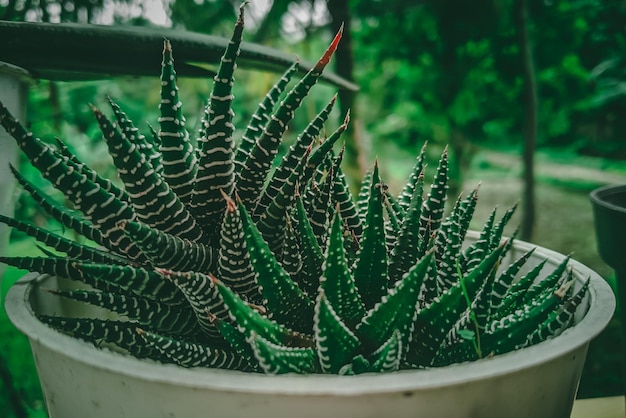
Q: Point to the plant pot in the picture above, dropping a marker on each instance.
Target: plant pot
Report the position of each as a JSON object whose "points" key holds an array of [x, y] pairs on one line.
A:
{"points": [[609, 210], [609, 214], [81, 381]]}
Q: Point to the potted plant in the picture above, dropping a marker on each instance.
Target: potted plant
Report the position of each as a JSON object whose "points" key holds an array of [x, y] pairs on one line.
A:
{"points": [[214, 285]]}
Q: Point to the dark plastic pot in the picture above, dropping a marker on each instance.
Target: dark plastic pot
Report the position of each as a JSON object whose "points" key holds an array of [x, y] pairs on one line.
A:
{"points": [[609, 213], [609, 210]]}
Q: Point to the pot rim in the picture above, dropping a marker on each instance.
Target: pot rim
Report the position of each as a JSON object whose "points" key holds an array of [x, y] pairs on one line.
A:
{"points": [[598, 196], [601, 307]]}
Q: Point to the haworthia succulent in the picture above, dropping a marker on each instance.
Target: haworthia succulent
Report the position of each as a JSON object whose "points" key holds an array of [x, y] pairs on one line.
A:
{"points": [[405, 196], [136, 280], [59, 242], [203, 297], [54, 266], [396, 311], [435, 201], [404, 255], [272, 221], [312, 255], [130, 131], [278, 359], [72, 160], [120, 333], [336, 343], [435, 321], [266, 284]]}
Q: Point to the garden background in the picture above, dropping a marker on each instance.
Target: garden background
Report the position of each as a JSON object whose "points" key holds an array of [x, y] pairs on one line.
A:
{"points": [[529, 96]]}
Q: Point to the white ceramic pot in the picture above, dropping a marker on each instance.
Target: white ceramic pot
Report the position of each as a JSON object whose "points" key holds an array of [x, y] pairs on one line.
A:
{"points": [[81, 381]]}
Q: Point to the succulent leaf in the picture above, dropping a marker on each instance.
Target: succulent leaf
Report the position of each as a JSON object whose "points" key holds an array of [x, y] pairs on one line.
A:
{"points": [[66, 217], [336, 343], [404, 255], [434, 204], [178, 159], [54, 266], [120, 333], [160, 316], [189, 354], [297, 155], [136, 280], [234, 267], [169, 251], [406, 195], [370, 270], [435, 320], [312, 255], [286, 302], [278, 359], [388, 358], [337, 282], [59, 242], [216, 146], [203, 297]]}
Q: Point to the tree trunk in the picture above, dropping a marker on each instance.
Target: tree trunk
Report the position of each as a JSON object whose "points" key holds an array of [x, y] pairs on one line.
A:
{"points": [[530, 101], [354, 164]]}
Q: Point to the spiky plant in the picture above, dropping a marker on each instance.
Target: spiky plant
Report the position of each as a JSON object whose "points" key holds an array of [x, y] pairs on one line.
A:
{"points": [[212, 257]]}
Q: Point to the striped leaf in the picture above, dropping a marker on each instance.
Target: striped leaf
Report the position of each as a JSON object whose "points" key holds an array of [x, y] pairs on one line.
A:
{"points": [[216, 146], [159, 316], [234, 267], [178, 159], [189, 354], [137, 280], [296, 155], [168, 251]]}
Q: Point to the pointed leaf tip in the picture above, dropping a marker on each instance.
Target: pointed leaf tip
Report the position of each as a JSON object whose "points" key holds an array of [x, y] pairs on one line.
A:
{"points": [[346, 120], [319, 67], [167, 45], [241, 12], [231, 206]]}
